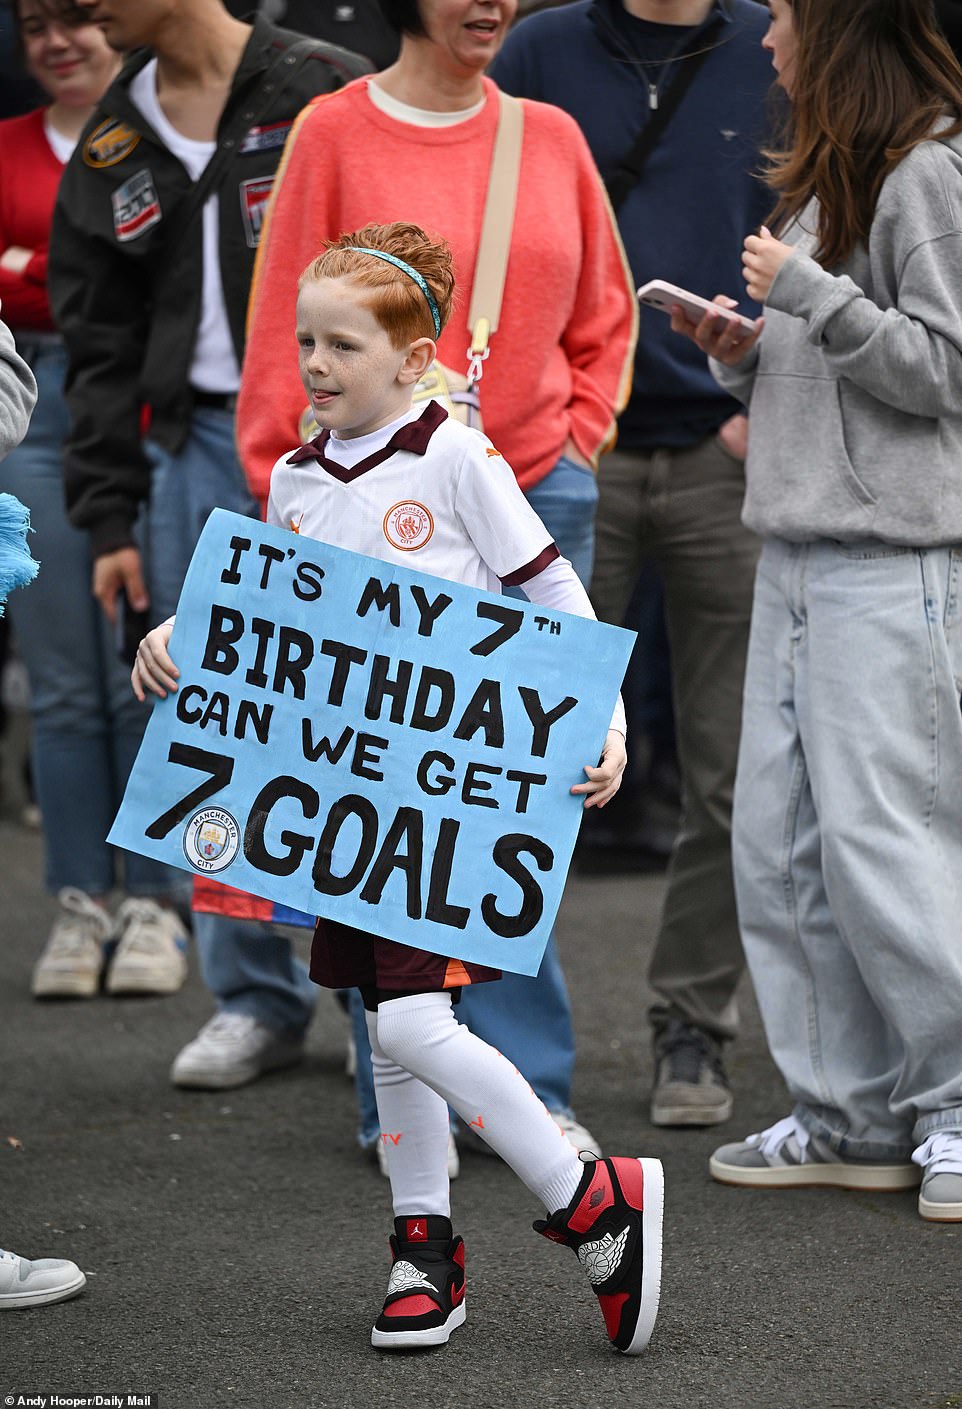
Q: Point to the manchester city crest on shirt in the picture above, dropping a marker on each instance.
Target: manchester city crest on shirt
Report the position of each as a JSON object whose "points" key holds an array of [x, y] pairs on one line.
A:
{"points": [[408, 525], [211, 840]]}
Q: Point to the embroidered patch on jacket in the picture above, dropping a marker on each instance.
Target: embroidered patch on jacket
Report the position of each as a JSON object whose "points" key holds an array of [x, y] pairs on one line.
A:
{"points": [[136, 206], [109, 143], [408, 525], [265, 139], [254, 196]]}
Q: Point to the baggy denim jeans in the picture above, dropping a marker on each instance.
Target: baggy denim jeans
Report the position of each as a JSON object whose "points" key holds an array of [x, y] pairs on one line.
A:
{"points": [[847, 836]]}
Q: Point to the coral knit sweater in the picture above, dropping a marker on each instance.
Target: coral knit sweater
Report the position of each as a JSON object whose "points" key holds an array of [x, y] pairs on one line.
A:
{"points": [[561, 359], [29, 176]]}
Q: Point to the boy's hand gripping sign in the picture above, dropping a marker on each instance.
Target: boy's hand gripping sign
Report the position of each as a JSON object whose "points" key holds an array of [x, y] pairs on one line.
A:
{"points": [[360, 741]]}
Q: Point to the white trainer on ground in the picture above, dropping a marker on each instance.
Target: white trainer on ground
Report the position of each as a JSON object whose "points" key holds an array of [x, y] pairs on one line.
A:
{"points": [[232, 1050], [151, 953], [73, 957], [24, 1283]]}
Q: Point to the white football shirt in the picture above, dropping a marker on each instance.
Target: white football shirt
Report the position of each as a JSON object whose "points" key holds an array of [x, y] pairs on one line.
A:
{"points": [[437, 497]]}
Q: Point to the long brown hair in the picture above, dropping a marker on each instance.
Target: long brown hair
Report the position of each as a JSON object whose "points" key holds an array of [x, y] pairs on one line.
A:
{"points": [[870, 80]]}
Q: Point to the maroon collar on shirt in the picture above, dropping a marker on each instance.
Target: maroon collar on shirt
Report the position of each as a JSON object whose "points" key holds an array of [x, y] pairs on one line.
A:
{"points": [[414, 436]]}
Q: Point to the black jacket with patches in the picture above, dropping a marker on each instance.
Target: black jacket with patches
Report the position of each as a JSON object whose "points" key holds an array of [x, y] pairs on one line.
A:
{"points": [[126, 293]]}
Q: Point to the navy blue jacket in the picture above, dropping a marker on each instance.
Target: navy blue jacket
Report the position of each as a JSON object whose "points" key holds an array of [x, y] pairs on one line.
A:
{"points": [[697, 198]]}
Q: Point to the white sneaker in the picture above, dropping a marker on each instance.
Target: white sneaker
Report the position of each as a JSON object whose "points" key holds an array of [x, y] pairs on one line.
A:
{"points": [[73, 957], [151, 954], [454, 1159], [24, 1283], [231, 1050]]}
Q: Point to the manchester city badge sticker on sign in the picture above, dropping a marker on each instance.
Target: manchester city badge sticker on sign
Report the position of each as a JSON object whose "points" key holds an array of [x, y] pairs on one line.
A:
{"points": [[211, 839]]}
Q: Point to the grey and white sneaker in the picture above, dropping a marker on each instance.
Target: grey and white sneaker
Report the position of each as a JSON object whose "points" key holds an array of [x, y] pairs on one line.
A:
{"points": [[691, 1087], [940, 1197], [151, 953], [233, 1050], [73, 957], [24, 1283], [788, 1156]]}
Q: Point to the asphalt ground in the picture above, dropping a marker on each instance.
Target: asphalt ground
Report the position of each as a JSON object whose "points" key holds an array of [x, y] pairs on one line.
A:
{"points": [[235, 1244]]}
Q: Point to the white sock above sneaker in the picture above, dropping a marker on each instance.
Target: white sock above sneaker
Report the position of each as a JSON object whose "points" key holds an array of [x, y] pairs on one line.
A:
{"points": [[414, 1131], [421, 1035]]}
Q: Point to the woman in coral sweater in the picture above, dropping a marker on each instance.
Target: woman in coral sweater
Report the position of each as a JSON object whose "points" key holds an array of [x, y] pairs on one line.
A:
{"points": [[415, 143]]}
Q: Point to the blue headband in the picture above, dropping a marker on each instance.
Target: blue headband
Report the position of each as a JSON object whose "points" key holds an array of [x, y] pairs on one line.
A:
{"points": [[411, 273]]}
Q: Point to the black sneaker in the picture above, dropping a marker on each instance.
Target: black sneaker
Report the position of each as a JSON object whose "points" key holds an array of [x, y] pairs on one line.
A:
{"points": [[691, 1087], [425, 1292], [614, 1224]]}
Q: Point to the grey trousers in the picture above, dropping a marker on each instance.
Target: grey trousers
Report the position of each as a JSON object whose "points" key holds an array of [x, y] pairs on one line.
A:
{"points": [[680, 509]]}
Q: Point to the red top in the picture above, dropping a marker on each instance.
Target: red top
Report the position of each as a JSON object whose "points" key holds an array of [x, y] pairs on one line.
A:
{"points": [[562, 358], [29, 176]]}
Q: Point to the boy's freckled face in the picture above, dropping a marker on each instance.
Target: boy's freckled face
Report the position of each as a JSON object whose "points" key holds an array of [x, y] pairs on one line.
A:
{"points": [[348, 365]]}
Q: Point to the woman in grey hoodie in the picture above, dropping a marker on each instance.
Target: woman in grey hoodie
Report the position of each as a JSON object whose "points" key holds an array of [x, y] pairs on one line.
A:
{"points": [[847, 839]]}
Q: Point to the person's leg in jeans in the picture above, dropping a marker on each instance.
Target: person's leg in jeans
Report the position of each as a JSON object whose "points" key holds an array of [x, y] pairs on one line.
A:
{"points": [[86, 723], [249, 967], [682, 507], [529, 1019], [848, 852]]}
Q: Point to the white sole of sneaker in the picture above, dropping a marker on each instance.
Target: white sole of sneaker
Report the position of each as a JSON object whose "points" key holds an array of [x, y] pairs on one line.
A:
{"points": [[691, 1115], [118, 984], [64, 986], [418, 1340], [652, 1220], [939, 1213], [877, 1178], [226, 1079], [21, 1300]]}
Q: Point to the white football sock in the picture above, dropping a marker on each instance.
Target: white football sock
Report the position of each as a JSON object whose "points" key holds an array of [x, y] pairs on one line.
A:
{"points": [[421, 1034], [414, 1132]]}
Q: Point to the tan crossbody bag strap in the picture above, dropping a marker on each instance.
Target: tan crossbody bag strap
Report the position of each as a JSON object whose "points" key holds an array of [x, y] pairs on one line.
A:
{"points": [[496, 226]]}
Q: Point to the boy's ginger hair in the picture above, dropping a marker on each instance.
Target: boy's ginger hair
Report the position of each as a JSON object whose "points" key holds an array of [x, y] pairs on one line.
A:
{"points": [[397, 302]]}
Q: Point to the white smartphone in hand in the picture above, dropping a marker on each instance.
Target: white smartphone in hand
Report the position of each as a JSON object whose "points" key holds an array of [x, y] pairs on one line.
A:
{"points": [[658, 293]]}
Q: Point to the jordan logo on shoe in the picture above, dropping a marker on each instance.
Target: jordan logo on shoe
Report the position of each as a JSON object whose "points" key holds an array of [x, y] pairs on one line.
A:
{"points": [[601, 1258], [405, 1277]]}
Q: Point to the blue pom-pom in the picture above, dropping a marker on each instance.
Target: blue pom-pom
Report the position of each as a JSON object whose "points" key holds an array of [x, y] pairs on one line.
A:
{"points": [[17, 568]]}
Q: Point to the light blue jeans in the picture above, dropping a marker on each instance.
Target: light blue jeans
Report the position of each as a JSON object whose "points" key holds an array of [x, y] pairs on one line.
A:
{"points": [[528, 1019], [87, 724], [249, 967], [847, 837]]}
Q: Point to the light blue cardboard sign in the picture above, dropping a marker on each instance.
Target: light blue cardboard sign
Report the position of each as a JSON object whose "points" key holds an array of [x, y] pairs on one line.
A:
{"points": [[368, 743]]}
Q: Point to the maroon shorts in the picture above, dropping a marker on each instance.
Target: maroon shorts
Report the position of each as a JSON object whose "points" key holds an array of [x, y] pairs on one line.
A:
{"points": [[342, 957]]}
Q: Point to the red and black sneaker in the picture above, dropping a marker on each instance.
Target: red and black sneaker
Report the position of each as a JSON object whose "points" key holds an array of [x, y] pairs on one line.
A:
{"points": [[425, 1292], [614, 1224]]}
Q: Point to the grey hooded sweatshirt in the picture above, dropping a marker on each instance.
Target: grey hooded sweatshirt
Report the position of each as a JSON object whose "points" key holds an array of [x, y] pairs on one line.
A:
{"points": [[855, 387], [18, 392]]}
